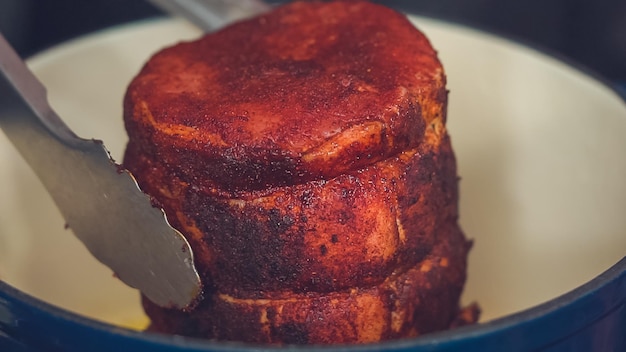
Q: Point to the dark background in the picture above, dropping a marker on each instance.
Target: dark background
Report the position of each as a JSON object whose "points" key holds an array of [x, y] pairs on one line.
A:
{"points": [[592, 33]]}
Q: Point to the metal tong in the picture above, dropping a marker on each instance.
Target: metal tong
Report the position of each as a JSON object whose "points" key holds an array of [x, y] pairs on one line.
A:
{"points": [[99, 200]]}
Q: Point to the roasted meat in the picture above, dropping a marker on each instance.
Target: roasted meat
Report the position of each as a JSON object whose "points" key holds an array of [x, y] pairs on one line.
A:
{"points": [[304, 155]]}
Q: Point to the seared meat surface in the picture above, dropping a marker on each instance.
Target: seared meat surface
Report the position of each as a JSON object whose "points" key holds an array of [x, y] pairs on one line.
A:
{"points": [[304, 155]]}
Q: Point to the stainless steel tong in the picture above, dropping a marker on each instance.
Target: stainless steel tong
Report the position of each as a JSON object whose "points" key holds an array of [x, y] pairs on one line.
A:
{"points": [[100, 201], [209, 15]]}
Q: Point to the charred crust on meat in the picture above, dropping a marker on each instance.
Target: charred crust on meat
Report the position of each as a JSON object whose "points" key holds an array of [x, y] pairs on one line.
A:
{"points": [[292, 333], [320, 199], [290, 98]]}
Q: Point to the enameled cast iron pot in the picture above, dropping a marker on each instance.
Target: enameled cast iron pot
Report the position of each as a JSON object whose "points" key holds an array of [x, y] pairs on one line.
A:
{"points": [[541, 148]]}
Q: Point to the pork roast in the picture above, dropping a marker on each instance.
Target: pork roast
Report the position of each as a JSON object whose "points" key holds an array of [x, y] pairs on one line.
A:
{"points": [[304, 155]]}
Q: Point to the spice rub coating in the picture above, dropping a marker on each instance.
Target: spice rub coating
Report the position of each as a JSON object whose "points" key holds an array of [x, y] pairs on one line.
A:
{"points": [[304, 155], [321, 236], [308, 91], [410, 303]]}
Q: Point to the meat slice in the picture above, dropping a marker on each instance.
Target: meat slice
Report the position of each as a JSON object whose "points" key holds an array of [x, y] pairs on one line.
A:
{"points": [[309, 91], [408, 303], [304, 155]]}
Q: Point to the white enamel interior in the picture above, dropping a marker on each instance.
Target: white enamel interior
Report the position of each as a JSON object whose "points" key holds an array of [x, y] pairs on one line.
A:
{"points": [[541, 150]]}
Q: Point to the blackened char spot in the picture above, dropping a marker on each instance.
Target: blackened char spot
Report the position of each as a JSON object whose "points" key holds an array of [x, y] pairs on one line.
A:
{"points": [[271, 313], [306, 198], [323, 249], [291, 333], [249, 250], [278, 222]]}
